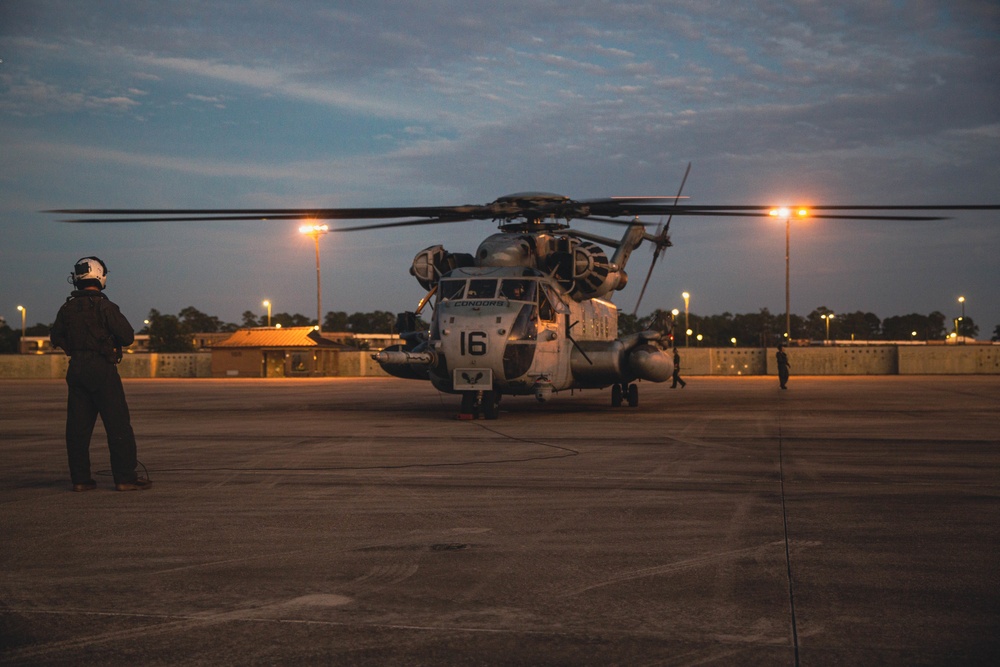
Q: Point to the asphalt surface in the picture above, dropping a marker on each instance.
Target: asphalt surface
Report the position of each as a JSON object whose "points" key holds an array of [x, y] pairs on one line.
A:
{"points": [[848, 520]]}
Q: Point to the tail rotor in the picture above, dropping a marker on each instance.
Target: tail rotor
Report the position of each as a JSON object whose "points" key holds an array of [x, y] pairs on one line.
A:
{"points": [[660, 240]]}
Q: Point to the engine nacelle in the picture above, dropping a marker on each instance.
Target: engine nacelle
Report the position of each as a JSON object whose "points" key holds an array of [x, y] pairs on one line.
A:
{"points": [[431, 263], [584, 270]]}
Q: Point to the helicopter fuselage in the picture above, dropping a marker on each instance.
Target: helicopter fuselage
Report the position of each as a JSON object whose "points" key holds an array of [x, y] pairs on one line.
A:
{"points": [[524, 317]]}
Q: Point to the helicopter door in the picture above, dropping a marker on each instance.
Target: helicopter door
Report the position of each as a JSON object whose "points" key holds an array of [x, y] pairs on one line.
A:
{"points": [[552, 350]]}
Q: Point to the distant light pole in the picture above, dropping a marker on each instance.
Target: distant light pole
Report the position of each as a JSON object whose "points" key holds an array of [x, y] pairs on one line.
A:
{"points": [[315, 231], [961, 300], [673, 335], [267, 304], [786, 214], [24, 315], [687, 330], [827, 317]]}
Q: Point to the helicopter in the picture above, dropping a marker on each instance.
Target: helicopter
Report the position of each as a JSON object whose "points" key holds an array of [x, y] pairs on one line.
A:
{"points": [[530, 313]]}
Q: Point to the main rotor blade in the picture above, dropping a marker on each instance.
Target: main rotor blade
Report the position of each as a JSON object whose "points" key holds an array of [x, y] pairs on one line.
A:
{"points": [[602, 210], [740, 214], [387, 225], [613, 221], [617, 209], [436, 213]]}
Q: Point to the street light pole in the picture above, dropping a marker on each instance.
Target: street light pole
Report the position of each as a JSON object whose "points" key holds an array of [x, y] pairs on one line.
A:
{"points": [[687, 328], [961, 300], [788, 279], [24, 314], [267, 303], [786, 214], [316, 231], [827, 317]]}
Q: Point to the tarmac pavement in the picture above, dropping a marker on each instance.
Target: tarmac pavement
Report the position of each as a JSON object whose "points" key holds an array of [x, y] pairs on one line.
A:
{"points": [[848, 520]]}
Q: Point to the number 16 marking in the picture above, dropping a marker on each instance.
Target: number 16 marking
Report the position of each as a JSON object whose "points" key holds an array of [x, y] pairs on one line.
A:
{"points": [[473, 342]]}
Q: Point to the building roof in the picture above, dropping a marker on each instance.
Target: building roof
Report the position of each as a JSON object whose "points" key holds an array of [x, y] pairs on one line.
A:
{"points": [[275, 337]]}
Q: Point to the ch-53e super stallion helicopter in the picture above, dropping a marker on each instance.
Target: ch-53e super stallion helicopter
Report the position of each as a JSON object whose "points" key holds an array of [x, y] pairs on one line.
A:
{"points": [[530, 312]]}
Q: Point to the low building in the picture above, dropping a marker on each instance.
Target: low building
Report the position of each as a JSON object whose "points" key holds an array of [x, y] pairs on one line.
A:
{"points": [[200, 342], [279, 352], [42, 345]]}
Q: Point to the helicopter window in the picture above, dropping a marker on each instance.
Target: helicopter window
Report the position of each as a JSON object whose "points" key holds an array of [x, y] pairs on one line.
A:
{"points": [[545, 309], [481, 289], [525, 326], [451, 289], [554, 300], [518, 290], [517, 358]]}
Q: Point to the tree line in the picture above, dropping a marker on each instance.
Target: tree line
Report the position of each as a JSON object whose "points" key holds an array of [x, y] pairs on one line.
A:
{"points": [[175, 333], [766, 328]]}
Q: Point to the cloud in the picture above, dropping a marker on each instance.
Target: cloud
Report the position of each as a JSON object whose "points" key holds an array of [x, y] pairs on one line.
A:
{"points": [[34, 97]]}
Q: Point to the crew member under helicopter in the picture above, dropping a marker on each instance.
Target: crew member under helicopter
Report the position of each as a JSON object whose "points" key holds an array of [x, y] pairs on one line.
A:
{"points": [[92, 331], [677, 371]]}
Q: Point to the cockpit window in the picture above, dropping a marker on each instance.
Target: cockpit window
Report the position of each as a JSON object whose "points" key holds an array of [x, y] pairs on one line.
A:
{"points": [[481, 289], [451, 289], [518, 290]]}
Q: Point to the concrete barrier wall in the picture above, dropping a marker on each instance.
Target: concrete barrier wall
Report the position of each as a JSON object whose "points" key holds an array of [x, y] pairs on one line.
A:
{"points": [[848, 360], [954, 359], [197, 364], [737, 361], [721, 361], [153, 365], [860, 360], [358, 364]]}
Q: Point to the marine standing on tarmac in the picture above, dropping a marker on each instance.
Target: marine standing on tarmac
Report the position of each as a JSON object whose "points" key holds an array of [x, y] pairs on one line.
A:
{"points": [[782, 359], [677, 371], [92, 331]]}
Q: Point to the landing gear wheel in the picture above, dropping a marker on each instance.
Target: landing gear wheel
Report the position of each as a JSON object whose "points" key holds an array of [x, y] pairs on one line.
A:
{"points": [[616, 396], [633, 395], [491, 404]]}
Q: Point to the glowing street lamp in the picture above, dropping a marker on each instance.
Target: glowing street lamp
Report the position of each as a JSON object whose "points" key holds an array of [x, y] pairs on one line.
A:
{"points": [[786, 214], [315, 231], [687, 331], [827, 317], [267, 304]]}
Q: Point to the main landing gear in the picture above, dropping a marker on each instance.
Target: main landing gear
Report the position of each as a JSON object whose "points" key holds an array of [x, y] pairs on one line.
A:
{"points": [[476, 403], [626, 392]]}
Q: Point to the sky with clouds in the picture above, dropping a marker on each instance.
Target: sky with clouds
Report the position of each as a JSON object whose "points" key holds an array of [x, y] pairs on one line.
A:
{"points": [[137, 104]]}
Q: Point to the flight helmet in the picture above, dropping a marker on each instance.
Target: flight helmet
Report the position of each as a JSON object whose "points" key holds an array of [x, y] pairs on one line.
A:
{"points": [[89, 272]]}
